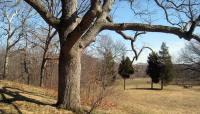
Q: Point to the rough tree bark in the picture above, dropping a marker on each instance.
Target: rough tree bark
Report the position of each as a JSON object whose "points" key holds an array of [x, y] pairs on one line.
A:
{"points": [[69, 79]]}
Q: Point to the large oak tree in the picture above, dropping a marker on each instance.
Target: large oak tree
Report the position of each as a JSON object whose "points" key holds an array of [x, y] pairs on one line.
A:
{"points": [[79, 24]]}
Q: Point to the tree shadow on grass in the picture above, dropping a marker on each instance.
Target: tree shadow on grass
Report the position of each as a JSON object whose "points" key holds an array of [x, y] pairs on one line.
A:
{"points": [[144, 89], [27, 92], [16, 96], [2, 112]]}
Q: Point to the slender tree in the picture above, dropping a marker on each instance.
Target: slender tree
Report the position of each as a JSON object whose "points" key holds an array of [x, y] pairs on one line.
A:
{"points": [[110, 52], [45, 56], [108, 73], [167, 74], [12, 31], [25, 62], [106, 44]]}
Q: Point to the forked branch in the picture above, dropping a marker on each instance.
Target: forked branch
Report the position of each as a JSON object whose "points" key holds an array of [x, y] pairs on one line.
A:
{"points": [[133, 39], [46, 15]]}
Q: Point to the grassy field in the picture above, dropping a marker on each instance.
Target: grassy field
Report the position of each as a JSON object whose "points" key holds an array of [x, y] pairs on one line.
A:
{"points": [[136, 99]]}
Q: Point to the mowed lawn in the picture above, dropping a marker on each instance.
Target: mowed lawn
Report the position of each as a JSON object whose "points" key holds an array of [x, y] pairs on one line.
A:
{"points": [[136, 99]]}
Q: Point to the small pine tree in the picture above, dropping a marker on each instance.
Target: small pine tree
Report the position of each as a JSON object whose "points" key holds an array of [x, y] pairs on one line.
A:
{"points": [[154, 68], [167, 72], [125, 69]]}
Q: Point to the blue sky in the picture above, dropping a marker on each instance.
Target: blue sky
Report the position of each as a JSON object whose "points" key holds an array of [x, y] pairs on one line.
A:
{"points": [[123, 14]]}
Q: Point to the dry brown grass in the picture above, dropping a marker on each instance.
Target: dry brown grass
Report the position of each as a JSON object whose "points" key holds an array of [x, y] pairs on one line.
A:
{"points": [[172, 100], [24, 99]]}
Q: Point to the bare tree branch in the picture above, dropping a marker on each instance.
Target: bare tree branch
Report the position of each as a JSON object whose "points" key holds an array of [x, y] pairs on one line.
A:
{"points": [[190, 56], [133, 39], [46, 15], [151, 28]]}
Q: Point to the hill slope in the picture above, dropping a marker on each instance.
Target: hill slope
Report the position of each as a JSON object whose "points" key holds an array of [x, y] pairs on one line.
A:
{"points": [[18, 98]]}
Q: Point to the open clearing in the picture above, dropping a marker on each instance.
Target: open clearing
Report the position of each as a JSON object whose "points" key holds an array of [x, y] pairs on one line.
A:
{"points": [[136, 99]]}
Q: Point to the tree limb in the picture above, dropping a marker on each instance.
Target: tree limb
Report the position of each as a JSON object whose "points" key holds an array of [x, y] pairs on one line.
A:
{"points": [[86, 23], [150, 28], [46, 15], [133, 39], [67, 7]]}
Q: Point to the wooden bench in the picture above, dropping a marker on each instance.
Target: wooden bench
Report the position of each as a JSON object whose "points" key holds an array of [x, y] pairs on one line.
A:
{"points": [[187, 86]]}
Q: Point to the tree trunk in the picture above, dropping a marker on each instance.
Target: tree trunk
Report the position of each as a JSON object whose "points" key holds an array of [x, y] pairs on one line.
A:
{"points": [[5, 67], [69, 79], [124, 83], [161, 84], [26, 66], [44, 60], [151, 84], [42, 70]]}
